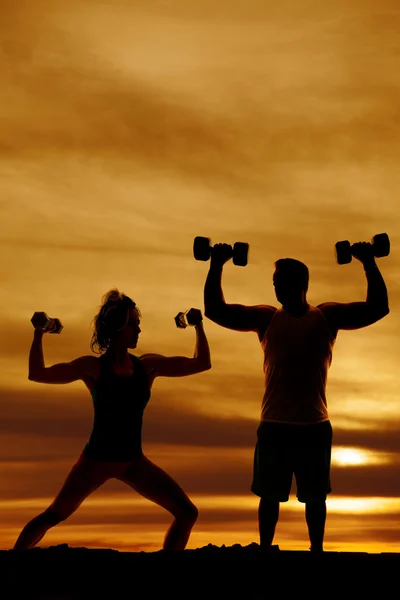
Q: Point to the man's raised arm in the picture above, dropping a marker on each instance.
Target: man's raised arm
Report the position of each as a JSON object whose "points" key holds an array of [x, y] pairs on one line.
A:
{"points": [[377, 295], [232, 316], [214, 301], [355, 315]]}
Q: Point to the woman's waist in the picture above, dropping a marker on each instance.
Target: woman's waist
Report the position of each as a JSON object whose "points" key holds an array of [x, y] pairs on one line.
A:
{"points": [[103, 425], [109, 451]]}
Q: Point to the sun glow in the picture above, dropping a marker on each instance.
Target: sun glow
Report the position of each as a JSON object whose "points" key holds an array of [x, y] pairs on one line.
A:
{"points": [[369, 505], [343, 456]]}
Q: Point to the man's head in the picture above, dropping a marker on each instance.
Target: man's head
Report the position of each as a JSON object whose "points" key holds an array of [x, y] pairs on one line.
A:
{"points": [[290, 280], [117, 322]]}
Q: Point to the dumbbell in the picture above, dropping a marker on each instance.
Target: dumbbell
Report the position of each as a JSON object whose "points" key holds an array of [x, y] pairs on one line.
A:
{"points": [[192, 317], [202, 250], [41, 321], [380, 246]]}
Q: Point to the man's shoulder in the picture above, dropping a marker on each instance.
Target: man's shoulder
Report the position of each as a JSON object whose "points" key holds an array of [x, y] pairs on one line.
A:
{"points": [[329, 311], [266, 315], [328, 308]]}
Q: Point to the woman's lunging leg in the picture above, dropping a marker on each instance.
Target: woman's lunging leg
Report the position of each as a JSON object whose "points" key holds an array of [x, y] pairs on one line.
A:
{"points": [[156, 485], [83, 479]]}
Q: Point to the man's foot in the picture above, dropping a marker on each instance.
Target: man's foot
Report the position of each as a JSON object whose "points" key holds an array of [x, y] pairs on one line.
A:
{"points": [[316, 550], [271, 548]]}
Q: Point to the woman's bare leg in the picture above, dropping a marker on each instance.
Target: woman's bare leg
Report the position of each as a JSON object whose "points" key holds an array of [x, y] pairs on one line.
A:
{"points": [[156, 485], [82, 480]]}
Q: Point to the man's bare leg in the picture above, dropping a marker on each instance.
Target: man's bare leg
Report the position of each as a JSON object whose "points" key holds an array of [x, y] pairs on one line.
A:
{"points": [[268, 515], [316, 517]]}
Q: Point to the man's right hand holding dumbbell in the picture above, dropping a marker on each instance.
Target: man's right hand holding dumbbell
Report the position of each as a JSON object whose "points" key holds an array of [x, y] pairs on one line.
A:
{"points": [[238, 317], [220, 255]]}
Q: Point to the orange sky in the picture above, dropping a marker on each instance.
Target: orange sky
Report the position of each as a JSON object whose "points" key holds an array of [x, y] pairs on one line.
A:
{"points": [[125, 132]]}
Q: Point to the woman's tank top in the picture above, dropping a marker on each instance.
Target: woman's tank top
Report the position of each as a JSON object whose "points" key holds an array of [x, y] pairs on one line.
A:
{"points": [[119, 402]]}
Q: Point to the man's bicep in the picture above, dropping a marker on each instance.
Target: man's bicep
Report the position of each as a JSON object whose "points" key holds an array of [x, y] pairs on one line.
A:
{"points": [[240, 317], [351, 315]]}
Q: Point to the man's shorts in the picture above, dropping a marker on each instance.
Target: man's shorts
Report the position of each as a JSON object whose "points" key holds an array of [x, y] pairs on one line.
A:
{"points": [[283, 449]]}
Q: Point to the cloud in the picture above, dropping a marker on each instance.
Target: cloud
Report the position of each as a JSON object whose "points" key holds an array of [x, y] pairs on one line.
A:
{"points": [[89, 102]]}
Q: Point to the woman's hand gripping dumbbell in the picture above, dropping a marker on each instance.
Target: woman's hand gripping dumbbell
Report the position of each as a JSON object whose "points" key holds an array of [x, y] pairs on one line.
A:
{"points": [[191, 317], [46, 324]]}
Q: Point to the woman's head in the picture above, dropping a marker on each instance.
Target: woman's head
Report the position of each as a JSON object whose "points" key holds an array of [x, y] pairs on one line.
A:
{"points": [[116, 323]]}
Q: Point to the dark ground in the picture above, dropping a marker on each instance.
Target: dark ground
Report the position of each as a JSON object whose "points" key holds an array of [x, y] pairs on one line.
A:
{"points": [[211, 572]]}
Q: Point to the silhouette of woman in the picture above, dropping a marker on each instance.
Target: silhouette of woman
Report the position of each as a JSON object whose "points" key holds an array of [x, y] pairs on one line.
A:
{"points": [[120, 384]]}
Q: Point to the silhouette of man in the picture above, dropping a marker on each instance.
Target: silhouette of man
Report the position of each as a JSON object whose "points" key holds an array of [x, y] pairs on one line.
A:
{"points": [[295, 433]]}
